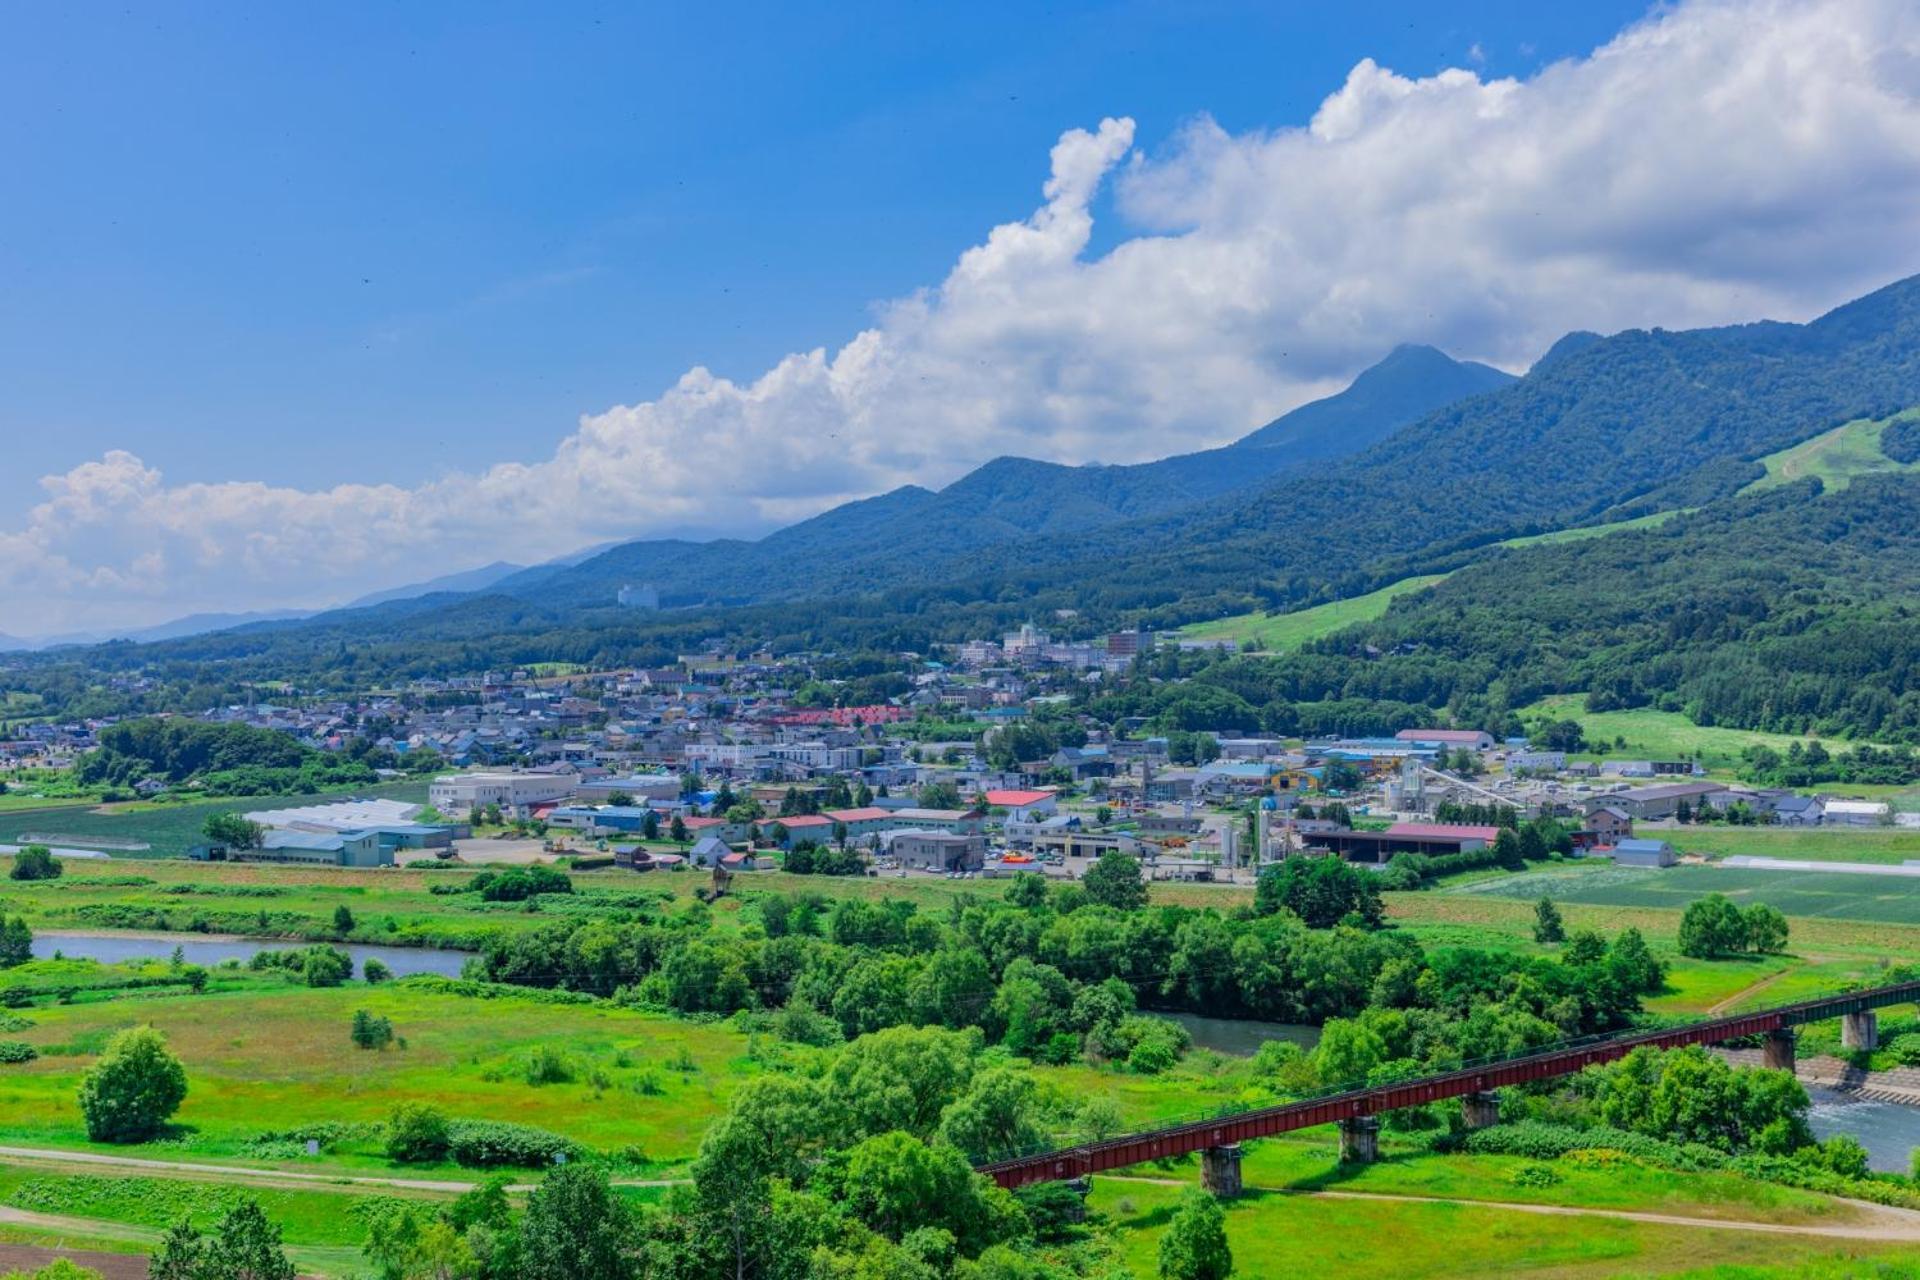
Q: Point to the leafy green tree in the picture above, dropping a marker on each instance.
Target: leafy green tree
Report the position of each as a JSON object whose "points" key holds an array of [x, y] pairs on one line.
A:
{"points": [[1027, 889], [35, 862], [1506, 850], [1766, 928], [1712, 926], [1533, 845], [1547, 924], [375, 971], [575, 1226], [343, 921], [896, 1185], [244, 1245], [371, 1032], [233, 831], [1584, 947], [16, 941], [1321, 891], [134, 1089], [1001, 1111], [1348, 1051], [1195, 1245], [416, 1134], [406, 1242], [678, 831], [1114, 880], [939, 795]]}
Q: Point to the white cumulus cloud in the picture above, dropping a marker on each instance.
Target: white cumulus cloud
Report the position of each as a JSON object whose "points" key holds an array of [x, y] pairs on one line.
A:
{"points": [[1721, 161]]}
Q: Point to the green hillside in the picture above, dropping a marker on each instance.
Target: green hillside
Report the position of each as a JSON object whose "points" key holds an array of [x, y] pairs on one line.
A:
{"points": [[1835, 458], [1275, 633], [1278, 632]]}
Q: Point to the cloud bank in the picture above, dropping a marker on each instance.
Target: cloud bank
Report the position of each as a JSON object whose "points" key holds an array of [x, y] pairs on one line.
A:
{"points": [[1717, 162]]}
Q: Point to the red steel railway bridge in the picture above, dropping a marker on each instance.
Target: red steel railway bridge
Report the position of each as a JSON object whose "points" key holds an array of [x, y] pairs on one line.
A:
{"points": [[1357, 1111]]}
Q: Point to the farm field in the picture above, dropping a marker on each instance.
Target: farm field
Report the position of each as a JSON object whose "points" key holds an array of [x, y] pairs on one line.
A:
{"points": [[170, 828], [1812, 844], [1836, 895], [1654, 735]]}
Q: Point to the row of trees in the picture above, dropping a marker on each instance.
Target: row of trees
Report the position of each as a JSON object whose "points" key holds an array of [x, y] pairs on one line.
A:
{"points": [[1715, 926]]}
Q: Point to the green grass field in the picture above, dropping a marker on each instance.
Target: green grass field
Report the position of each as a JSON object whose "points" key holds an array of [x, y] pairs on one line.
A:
{"points": [[170, 828], [1654, 735], [1287, 1234], [274, 1058], [1834, 457], [1813, 844]]}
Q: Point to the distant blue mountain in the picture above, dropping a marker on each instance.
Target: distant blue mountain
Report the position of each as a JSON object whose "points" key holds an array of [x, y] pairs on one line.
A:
{"points": [[1010, 498], [469, 580]]}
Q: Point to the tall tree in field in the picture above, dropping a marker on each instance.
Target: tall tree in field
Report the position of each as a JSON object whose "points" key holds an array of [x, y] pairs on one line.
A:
{"points": [[1547, 925], [1115, 881], [1195, 1246], [134, 1088]]}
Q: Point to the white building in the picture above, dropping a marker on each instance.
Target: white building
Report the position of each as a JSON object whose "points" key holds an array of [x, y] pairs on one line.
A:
{"points": [[722, 755], [458, 795], [1856, 813]]}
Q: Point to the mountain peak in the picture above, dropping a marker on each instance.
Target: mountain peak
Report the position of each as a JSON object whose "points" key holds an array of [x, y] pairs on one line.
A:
{"points": [[1408, 383]]}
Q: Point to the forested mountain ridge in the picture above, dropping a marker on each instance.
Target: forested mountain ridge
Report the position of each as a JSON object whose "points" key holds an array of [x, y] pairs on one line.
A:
{"points": [[1642, 421], [1789, 609], [875, 542]]}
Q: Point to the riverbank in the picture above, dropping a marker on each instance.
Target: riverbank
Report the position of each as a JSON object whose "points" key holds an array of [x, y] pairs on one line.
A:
{"points": [[1900, 1085]]}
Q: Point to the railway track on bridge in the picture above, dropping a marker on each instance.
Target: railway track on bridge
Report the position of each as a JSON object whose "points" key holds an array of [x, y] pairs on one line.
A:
{"points": [[1481, 1078]]}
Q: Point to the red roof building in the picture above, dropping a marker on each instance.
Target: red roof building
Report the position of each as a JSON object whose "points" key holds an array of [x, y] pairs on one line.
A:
{"points": [[1017, 799], [1443, 831]]}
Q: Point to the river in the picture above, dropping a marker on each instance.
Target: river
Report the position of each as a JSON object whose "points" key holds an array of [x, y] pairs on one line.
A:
{"points": [[1888, 1130], [1241, 1038], [200, 949]]}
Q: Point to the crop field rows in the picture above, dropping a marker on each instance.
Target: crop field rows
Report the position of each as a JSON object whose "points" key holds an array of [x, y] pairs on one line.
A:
{"points": [[1836, 895]]}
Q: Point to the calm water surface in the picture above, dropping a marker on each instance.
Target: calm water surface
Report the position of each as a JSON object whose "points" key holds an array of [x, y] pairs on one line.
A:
{"points": [[404, 961], [1241, 1039]]}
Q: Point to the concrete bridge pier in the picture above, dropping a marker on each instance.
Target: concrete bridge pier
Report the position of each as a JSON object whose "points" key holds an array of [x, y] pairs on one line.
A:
{"points": [[1860, 1030], [1482, 1109], [1220, 1171], [1360, 1140], [1776, 1049]]}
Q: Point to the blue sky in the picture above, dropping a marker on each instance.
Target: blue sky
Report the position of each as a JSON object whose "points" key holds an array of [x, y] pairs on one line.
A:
{"points": [[301, 302], [311, 244]]}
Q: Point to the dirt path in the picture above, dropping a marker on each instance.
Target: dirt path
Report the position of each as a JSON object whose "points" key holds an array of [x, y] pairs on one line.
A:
{"points": [[1877, 1222], [238, 1172], [246, 1173], [1718, 1009]]}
